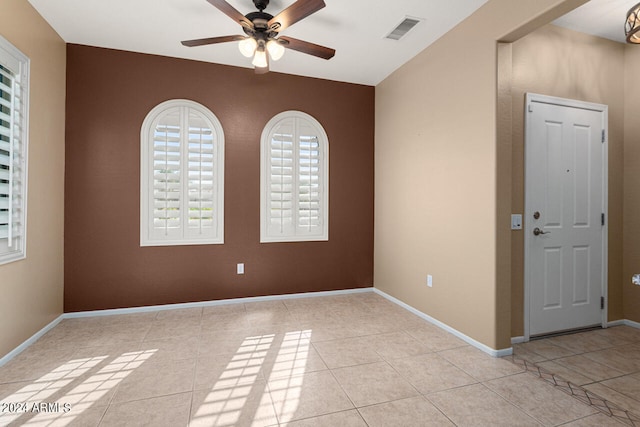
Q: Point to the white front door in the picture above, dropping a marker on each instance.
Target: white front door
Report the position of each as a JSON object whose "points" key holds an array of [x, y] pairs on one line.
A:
{"points": [[565, 207]]}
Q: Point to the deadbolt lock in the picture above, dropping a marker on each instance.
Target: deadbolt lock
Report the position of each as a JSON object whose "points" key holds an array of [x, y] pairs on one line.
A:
{"points": [[536, 215]]}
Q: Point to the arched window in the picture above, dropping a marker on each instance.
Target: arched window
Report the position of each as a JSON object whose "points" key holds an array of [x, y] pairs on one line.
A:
{"points": [[294, 160], [182, 176]]}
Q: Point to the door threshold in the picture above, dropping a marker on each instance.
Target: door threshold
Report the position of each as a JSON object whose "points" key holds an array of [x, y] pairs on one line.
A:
{"points": [[565, 332]]}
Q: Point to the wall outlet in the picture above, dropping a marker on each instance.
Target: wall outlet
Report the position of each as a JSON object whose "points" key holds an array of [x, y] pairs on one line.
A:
{"points": [[429, 281], [636, 279], [240, 268]]}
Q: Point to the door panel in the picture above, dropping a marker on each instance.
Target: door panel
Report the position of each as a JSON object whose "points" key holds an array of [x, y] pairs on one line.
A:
{"points": [[581, 274], [581, 183], [565, 185], [553, 167], [552, 278]]}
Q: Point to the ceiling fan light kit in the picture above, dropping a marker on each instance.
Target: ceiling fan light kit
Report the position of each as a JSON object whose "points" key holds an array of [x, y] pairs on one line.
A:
{"points": [[263, 40], [260, 57], [632, 25], [276, 49], [248, 46]]}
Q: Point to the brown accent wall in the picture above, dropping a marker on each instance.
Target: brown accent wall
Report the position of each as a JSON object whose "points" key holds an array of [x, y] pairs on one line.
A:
{"points": [[559, 62], [110, 92]]}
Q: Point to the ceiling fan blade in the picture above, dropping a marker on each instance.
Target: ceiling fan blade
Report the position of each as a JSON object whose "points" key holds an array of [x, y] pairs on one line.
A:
{"points": [[294, 13], [211, 40], [306, 47], [231, 12]]}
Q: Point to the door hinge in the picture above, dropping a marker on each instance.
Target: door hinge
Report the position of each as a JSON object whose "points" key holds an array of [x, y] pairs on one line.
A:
{"points": [[602, 219], [601, 303], [530, 107], [603, 136]]}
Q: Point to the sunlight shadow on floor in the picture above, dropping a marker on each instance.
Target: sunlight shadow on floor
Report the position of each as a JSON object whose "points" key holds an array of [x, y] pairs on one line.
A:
{"points": [[62, 406]]}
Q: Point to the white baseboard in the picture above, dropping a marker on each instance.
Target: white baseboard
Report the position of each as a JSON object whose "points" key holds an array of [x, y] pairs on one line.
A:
{"points": [[96, 313], [615, 323], [466, 338], [22, 347], [146, 309], [626, 323], [517, 340]]}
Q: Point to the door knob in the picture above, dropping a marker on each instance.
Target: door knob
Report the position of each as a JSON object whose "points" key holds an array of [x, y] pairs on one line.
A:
{"points": [[538, 232]]}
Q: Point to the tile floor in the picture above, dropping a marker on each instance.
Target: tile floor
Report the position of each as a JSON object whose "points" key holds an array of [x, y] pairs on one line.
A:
{"points": [[348, 360], [605, 362]]}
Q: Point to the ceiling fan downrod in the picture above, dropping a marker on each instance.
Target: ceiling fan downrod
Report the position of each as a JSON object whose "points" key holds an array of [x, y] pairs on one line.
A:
{"points": [[261, 4]]}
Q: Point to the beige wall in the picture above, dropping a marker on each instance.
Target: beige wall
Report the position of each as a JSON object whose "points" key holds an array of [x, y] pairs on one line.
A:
{"points": [[631, 231], [436, 204], [32, 289], [559, 62]]}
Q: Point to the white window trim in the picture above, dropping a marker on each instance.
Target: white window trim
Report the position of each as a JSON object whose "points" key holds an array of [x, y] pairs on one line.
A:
{"points": [[264, 179], [14, 59], [146, 186]]}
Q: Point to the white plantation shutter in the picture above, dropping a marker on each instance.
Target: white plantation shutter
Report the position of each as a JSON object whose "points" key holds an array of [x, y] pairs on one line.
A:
{"points": [[14, 76], [309, 204], [182, 192], [166, 175], [281, 170], [6, 149], [202, 184], [294, 179]]}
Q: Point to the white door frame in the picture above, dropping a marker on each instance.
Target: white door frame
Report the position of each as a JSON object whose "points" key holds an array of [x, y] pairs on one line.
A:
{"points": [[528, 228]]}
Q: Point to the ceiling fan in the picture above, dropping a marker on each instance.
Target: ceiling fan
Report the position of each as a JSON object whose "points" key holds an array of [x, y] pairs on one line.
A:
{"points": [[263, 32]]}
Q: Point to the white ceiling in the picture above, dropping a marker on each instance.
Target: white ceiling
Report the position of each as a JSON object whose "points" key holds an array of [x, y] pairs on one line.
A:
{"points": [[603, 18], [355, 28]]}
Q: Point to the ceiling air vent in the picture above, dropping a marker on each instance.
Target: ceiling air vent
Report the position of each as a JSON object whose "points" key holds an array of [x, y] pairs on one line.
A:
{"points": [[403, 28]]}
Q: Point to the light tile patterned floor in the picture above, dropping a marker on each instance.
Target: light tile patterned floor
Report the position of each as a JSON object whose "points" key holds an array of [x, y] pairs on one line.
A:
{"points": [[600, 367], [349, 360]]}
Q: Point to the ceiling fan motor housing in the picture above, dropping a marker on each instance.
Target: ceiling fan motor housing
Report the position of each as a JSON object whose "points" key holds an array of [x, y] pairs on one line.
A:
{"points": [[260, 25]]}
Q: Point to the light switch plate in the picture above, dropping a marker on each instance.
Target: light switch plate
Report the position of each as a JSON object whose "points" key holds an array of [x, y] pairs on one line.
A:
{"points": [[240, 268], [516, 222]]}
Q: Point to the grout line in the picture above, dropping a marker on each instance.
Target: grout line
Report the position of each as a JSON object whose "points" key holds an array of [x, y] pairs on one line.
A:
{"points": [[193, 381], [583, 395], [426, 397], [191, 406], [509, 401]]}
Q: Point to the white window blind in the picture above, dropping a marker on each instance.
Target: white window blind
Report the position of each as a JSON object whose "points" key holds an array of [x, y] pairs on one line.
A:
{"points": [[294, 179], [14, 77], [182, 183]]}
